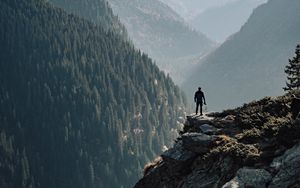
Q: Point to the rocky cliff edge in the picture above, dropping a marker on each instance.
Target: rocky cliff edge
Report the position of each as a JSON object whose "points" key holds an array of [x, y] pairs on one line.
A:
{"points": [[256, 145]]}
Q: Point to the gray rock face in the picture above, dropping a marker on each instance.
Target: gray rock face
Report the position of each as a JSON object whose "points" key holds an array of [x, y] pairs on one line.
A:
{"points": [[201, 121], [197, 142], [246, 177], [208, 129], [209, 172], [288, 166], [229, 118], [201, 180], [178, 153]]}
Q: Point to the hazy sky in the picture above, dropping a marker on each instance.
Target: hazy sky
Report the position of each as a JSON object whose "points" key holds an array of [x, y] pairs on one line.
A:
{"points": [[190, 8], [204, 4]]}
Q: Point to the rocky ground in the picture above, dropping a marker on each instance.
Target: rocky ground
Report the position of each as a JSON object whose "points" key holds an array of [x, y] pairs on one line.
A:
{"points": [[257, 145]]}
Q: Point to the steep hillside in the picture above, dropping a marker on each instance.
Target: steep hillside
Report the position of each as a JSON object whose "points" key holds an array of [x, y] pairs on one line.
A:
{"points": [[160, 32], [251, 63], [219, 22], [79, 106], [96, 11], [256, 145]]}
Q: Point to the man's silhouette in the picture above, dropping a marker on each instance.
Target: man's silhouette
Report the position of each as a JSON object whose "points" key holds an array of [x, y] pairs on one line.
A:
{"points": [[199, 100]]}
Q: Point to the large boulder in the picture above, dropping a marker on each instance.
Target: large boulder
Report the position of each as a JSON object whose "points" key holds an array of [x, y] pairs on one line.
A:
{"points": [[199, 120], [178, 153], [197, 142], [288, 167], [210, 171], [208, 129], [201, 180], [175, 164], [246, 177]]}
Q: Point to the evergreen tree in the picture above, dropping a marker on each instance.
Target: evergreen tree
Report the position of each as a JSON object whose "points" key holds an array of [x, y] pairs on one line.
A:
{"points": [[69, 92], [293, 72]]}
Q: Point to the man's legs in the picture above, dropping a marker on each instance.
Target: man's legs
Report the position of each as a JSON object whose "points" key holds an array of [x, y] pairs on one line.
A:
{"points": [[201, 108], [197, 107]]}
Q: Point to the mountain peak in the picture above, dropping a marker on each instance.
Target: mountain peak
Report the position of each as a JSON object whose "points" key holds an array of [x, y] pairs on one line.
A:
{"points": [[159, 31]]}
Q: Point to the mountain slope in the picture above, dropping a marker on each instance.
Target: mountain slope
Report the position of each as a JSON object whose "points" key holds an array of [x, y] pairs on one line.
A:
{"points": [[80, 107], [250, 64], [211, 21], [96, 11], [256, 145], [160, 32]]}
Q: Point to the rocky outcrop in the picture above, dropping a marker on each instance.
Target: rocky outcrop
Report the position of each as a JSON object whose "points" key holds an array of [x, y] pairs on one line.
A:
{"points": [[197, 142], [288, 167], [256, 145], [246, 177], [178, 153]]}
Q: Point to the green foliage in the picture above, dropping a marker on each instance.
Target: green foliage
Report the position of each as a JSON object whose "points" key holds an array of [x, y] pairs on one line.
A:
{"points": [[97, 11], [158, 30], [293, 72], [260, 131], [77, 102], [242, 153]]}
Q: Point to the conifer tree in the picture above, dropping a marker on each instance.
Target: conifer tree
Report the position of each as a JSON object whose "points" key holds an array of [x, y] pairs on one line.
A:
{"points": [[293, 72]]}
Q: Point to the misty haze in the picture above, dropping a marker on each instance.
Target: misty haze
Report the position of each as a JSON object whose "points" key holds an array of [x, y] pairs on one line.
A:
{"points": [[149, 93]]}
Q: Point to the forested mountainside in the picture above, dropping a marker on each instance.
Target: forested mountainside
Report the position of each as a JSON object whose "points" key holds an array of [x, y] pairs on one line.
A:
{"points": [[79, 106], [96, 11], [160, 32], [251, 63]]}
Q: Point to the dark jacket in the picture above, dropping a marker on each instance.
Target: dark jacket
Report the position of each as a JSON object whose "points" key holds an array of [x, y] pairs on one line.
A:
{"points": [[199, 95]]}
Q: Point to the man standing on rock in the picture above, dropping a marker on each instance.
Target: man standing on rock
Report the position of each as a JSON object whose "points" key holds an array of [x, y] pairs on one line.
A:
{"points": [[199, 95]]}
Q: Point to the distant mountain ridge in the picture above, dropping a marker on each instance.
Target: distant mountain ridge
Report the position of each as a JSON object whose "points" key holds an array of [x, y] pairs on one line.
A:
{"points": [[251, 63], [220, 22], [160, 32], [188, 9]]}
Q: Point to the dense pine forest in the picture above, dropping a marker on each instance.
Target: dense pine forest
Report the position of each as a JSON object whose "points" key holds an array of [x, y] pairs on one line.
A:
{"points": [[96, 11], [79, 106]]}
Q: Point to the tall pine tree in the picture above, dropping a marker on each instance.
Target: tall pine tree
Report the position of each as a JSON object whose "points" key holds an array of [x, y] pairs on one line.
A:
{"points": [[293, 72]]}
